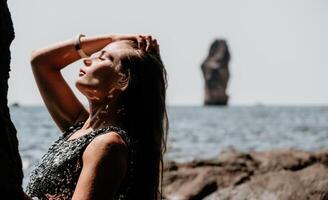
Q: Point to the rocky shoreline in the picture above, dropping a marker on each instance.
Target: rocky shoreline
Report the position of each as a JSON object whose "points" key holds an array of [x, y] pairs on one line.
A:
{"points": [[282, 174]]}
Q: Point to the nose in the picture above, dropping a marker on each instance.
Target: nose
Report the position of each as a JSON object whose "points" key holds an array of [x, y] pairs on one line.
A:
{"points": [[87, 62]]}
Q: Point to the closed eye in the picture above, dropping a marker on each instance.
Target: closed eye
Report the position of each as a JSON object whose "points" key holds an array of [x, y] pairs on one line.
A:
{"points": [[105, 55], [101, 55]]}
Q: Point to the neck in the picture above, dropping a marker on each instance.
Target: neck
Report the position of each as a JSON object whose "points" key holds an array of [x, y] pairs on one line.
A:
{"points": [[103, 114]]}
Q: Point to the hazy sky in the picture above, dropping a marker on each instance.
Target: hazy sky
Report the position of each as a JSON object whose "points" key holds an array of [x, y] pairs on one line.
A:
{"points": [[279, 48]]}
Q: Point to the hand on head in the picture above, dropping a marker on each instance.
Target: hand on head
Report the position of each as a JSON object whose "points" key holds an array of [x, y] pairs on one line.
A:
{"points": [[148, 44], [145, 42]]}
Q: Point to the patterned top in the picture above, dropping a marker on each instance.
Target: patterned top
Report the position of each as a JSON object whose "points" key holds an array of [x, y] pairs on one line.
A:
{"points": [[57, 173]]}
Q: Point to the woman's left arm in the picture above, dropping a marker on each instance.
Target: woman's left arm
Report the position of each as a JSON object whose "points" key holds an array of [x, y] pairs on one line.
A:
{"points": [[104, 167]]}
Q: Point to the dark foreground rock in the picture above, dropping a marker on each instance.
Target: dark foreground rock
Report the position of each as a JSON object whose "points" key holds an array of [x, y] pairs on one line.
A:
{"points": [[234, 175], [11, 174]]}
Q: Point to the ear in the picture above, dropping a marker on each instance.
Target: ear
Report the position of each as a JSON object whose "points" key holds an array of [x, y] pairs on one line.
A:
{"points": [[123, 82]]}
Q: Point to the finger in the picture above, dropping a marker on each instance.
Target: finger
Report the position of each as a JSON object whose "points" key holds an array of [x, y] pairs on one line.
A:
{"points": [[149, 42], [154, 43], [155, 46], [148, 37], [141, 42]]}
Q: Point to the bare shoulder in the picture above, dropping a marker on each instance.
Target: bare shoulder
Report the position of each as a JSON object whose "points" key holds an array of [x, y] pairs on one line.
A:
{"points": [[104, 167], [108, 145]]}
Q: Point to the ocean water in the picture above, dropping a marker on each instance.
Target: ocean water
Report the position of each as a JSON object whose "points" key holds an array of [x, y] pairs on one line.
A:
{"points": [[198, 132]]}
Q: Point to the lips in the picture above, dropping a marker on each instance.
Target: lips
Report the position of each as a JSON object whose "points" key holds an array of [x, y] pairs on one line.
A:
{"points": [[81, 73]]}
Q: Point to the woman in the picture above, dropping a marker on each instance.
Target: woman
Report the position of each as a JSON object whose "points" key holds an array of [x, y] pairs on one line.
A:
{"points": [[114, 149]]}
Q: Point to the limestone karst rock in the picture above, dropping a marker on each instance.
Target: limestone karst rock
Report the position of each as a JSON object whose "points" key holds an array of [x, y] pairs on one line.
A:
{"points": [[11, 173], [215, 70]]}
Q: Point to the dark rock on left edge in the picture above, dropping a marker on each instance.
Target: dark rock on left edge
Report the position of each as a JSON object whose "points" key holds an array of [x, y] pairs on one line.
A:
{"points": [[11, 173]]}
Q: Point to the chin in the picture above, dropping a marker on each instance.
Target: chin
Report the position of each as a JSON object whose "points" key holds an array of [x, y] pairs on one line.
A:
{"points": [[77, 83], [81, 82], [84, 88], [80, 86]]}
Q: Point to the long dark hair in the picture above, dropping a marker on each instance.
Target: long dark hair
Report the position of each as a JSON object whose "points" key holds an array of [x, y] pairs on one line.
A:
{"points": [[146, 119]]}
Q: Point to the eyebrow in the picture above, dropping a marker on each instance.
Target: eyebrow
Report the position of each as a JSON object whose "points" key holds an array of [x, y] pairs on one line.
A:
{"points": [[97, 54], [102, 53]]}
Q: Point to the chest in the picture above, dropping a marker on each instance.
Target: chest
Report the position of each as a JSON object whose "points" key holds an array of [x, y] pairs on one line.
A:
{"points": [[78, 134]]}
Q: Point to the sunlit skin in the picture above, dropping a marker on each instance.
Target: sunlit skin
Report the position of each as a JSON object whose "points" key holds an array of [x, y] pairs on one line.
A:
{"points": [[100, 72], [101, 82]]}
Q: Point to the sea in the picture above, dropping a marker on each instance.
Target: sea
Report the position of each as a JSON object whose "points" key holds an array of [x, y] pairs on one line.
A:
{"points": [[198, 132]]}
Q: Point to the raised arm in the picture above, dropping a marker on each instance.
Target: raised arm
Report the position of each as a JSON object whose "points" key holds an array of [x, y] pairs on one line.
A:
{"points": [[62, 104]]}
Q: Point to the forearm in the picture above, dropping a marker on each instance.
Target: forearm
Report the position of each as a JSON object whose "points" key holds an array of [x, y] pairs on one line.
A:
{"points": [[61, 54]]}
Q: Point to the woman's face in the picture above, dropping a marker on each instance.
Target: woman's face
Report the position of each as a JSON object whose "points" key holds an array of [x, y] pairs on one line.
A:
{"points": [[101, 71]]}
